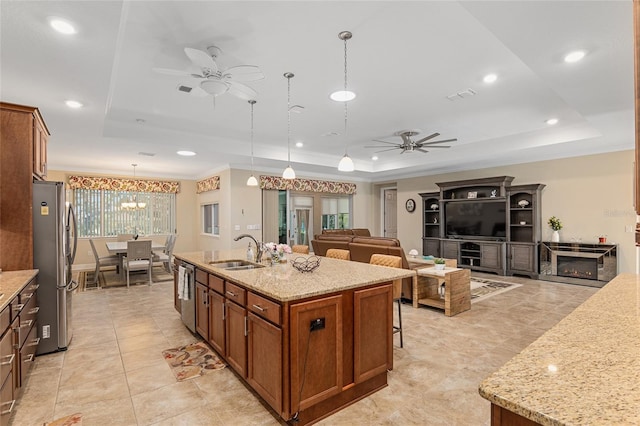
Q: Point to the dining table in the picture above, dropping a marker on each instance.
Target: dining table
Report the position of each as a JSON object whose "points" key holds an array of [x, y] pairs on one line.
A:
{"points": [[119, 248]]}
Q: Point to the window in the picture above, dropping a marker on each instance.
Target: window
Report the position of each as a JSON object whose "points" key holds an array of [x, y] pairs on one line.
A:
{"points": [[335, 213], [100, 214], [210, 221]]}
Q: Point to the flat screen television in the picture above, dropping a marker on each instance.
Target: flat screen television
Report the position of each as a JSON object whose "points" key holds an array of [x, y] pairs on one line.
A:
{"points": [[476, 219]]}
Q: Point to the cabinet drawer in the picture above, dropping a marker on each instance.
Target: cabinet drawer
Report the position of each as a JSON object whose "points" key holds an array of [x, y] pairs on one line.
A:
{"points": [[264, 307], [6, 400], [28, 354], [201, 276], [235, 293], [6, 355], [28, 318], [216, 284], [28, 292], [5, 319]]}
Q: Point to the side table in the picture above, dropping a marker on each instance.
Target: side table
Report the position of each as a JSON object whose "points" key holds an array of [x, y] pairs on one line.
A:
{"points": [[457, 295]]}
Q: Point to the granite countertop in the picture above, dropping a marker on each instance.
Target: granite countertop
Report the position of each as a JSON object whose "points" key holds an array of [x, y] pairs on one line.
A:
{"points": [[585, 370], [11, 282], [284, 283]]}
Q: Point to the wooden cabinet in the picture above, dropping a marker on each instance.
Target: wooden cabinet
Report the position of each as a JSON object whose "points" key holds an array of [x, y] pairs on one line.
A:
{"points": [[264, 367], [431, 223], [450, 250], [236, 333], [21, 129], [202, 310], [177, 303], [372, 342], [523, 259], [216, 336], [525, 229]]}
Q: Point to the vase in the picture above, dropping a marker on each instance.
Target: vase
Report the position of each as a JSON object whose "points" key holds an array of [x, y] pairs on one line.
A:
{"points": [[555, 237], [275, 257], [439, 266]]}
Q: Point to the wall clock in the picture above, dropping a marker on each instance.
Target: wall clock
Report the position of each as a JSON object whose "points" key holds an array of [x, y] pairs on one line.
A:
{"points": [[410, 205]]}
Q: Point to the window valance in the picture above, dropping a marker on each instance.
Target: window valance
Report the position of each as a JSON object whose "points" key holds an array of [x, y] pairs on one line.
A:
{"points": [[308, 185], [208, 184], [120, 184]]}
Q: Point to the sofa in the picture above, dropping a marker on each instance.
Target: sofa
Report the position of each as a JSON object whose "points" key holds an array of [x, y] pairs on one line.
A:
{"points": [[361, 232]]}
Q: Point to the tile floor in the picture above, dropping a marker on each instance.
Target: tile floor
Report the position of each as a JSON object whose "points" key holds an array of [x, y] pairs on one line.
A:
{"points": [[114, 373]]}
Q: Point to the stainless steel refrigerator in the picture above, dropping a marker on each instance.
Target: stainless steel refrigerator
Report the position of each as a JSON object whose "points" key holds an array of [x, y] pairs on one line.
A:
{"points": [[54, 249]]}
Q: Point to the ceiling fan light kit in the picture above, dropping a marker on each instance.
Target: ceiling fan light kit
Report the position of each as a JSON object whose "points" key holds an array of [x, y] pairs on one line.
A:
{"points": [[288, 173]]}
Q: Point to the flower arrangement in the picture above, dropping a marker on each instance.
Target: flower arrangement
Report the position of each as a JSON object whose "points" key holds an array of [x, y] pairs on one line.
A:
{"points": [[438, 261], [555, 223], [277, 251]]}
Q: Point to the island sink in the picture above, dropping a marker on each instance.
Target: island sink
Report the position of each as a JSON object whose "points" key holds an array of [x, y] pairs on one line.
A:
{"points": [[235, 265]]}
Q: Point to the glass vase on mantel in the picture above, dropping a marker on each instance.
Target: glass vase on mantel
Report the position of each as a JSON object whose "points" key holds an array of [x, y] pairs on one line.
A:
{"points": [[555, 237]]}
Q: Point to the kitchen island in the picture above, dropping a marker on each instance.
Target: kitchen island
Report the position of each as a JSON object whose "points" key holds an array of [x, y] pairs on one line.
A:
{"points": [[585, 370], [308, 343]]}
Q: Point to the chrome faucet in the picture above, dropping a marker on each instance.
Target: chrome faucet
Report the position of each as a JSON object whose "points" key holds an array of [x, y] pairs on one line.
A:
{"points": [[259, 246]]}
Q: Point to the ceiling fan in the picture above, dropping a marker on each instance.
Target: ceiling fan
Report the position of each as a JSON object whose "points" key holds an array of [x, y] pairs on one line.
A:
{"points": [[214, 80], [409, 145]]}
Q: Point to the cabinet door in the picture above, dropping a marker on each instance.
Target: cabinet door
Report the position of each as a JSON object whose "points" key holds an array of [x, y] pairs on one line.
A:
{"points": [[373, 332], [431, 247], [450, 249], [177, 303], [39, 150], [202, 310], [216, 322], [316, 356], [490, 256], [237, 338], [521, 257], [264, 367]]}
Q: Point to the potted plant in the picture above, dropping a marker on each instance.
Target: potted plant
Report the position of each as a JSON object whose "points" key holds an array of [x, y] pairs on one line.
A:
{"points": [[555, 225], [439, 262]]}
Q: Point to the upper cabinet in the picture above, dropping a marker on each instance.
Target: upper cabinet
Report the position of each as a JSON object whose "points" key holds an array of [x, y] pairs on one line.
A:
{"points": [[23, 159], [636, 41]]}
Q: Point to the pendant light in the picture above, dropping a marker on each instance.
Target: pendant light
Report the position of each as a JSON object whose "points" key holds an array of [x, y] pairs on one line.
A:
{"points": [[288, 172], [346, 163], [252, 181], [133, 204]]}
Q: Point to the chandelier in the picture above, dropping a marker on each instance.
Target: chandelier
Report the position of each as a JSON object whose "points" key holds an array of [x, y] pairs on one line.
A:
{"points": [[133, 203]]}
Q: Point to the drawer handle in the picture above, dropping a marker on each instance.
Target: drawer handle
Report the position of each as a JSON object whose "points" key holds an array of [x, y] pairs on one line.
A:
{"points": [[26, 324], [35, 342], [232, 294], [34, 310], [11, 357], [18, 307], [34, 287], [29, 358], [28, 296], [260, 308], [11, 404]]}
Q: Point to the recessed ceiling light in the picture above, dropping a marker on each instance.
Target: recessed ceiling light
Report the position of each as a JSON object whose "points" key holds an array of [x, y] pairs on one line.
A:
{"points": [[374, 158], [73, 104], [299, 144], [342, 96], [62, 25], [490, 78], [574, 56], [552, 121], [186, 153]]}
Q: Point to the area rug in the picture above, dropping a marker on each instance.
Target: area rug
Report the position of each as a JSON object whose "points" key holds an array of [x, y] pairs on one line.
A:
{"points": [[72, 420], [109, 278], [192, 360], [482, 288]]}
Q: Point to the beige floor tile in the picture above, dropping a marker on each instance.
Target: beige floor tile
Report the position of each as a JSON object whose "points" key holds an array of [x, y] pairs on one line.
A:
{"points": [[104, 389], [143, 341], [141, 358], [109, 412], [167, 402], [83, 371], [201, 416], [154, 375]]}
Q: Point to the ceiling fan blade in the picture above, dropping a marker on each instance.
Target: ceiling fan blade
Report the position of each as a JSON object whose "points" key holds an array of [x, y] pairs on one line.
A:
{"points": [[242, 91], [392, 143], [421, 150], [198, 92], [201, 59], [180, 73], [385, 150], [243, 73], [432, 146], [381, 146], [444, 141], [428, 137]]}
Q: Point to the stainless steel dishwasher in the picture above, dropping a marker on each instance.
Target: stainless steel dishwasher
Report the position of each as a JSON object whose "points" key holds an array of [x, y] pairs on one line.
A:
{"points": [[188, 299]]}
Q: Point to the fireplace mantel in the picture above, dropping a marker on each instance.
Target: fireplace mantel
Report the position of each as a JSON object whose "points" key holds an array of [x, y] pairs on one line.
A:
{"points": [[592, 265]]}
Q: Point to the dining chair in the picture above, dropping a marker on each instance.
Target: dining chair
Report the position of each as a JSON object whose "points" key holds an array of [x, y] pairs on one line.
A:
{"points": [[103, 261], [164, 257], [338, 254], [125, 237], [393, 262], [138, 258], [299, 248]]}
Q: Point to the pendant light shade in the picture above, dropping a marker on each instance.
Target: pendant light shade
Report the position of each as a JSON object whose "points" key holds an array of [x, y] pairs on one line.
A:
{"points": [[252, 181], [346, 163], [288, 172], [133, 203]]}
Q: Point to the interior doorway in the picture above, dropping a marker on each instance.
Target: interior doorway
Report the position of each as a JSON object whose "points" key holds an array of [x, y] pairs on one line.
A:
{"points": [[390, 212], [301, 220]]}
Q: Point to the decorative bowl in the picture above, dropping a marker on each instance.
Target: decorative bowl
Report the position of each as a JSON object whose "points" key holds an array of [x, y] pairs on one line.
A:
{"points": [[306, 264]]}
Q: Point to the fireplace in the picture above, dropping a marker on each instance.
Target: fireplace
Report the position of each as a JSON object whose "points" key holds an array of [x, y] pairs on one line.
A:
{"points": [[577, 263], [577, 267]]}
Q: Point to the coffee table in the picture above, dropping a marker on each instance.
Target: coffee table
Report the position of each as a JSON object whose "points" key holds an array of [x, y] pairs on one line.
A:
{"points": [[457, 291]]}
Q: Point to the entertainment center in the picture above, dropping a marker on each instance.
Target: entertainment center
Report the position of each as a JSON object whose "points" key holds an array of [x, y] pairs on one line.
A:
{"points": [[485, 224]]}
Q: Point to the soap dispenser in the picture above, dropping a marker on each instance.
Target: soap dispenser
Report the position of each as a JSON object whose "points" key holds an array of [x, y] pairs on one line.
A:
{"points": [[250, 253]]}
